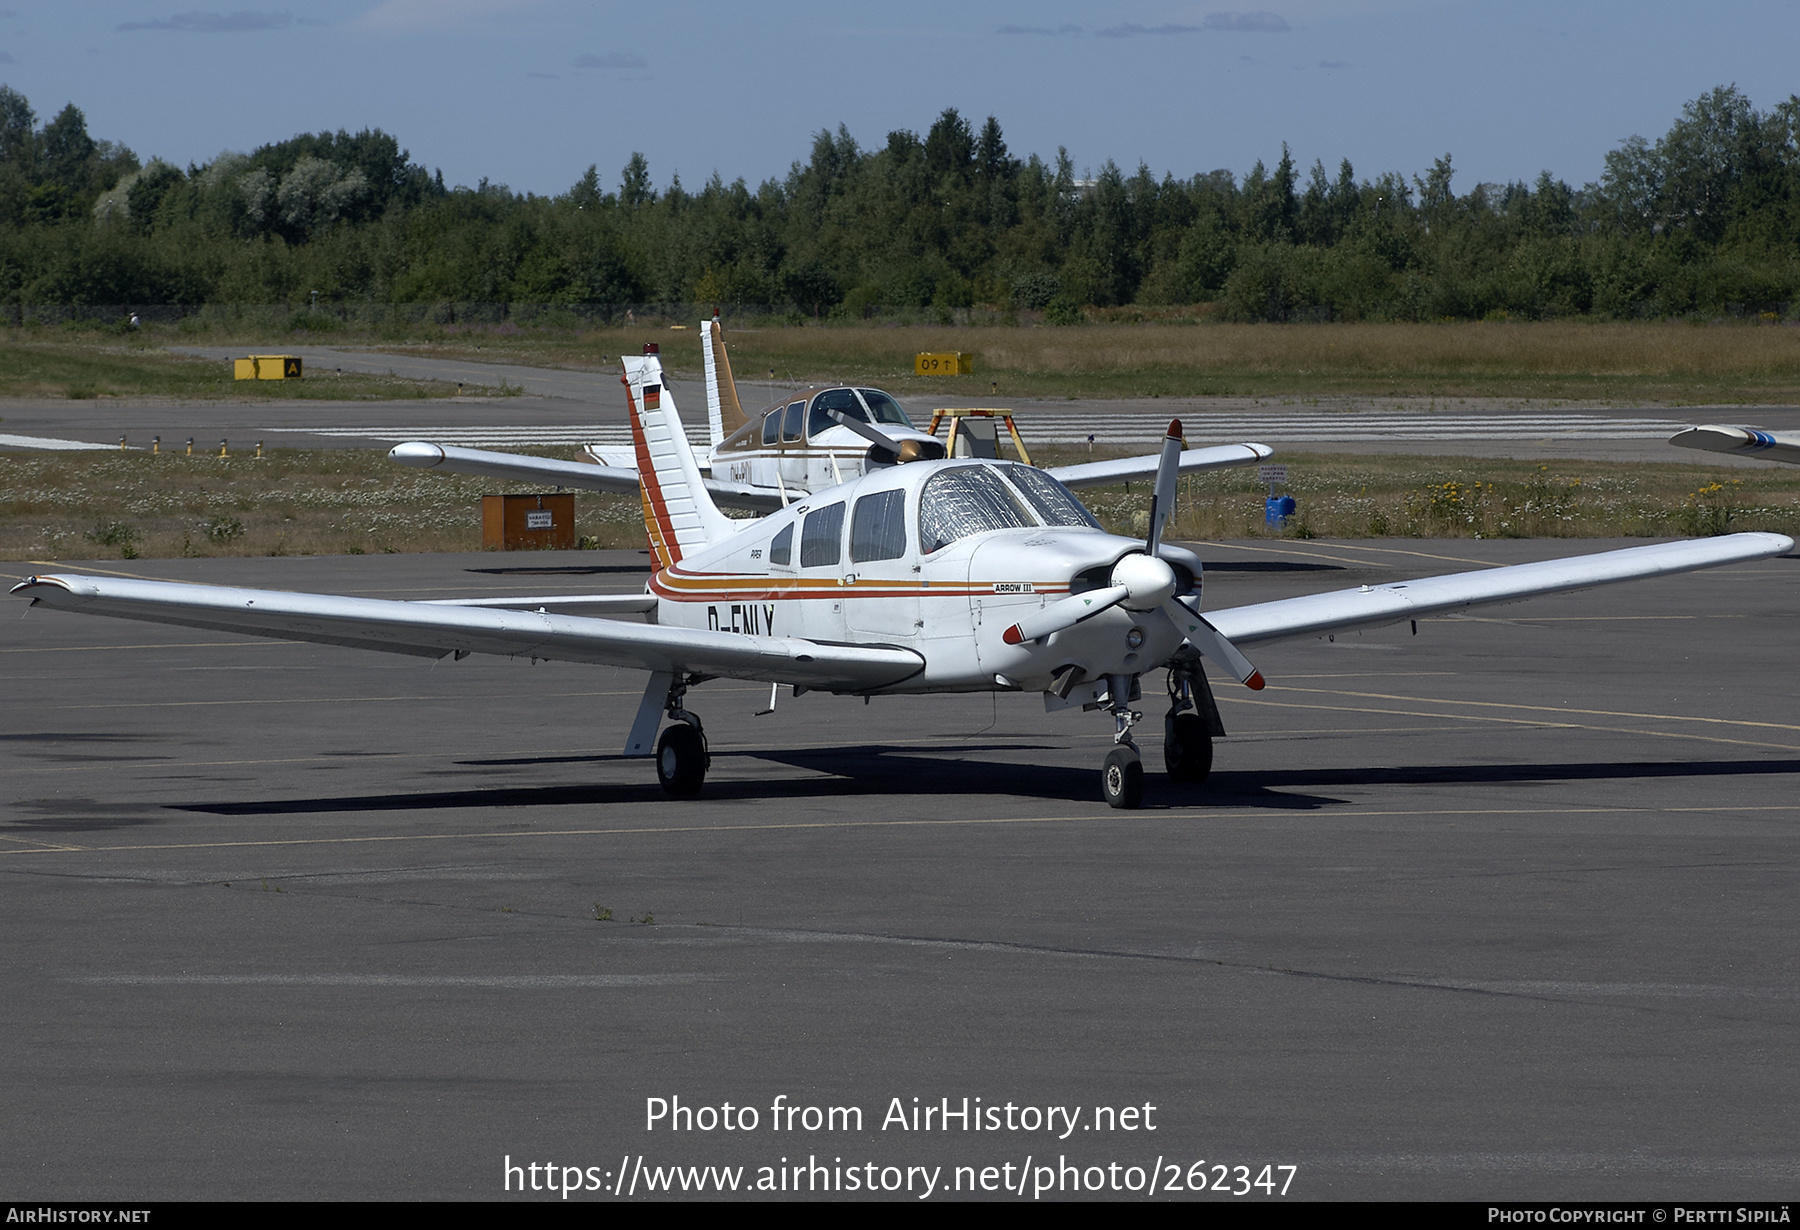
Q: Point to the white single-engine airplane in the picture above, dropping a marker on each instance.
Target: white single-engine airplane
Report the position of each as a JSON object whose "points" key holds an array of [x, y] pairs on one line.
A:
{"points": [[1741, 442], [806, 442], [948, 575]]}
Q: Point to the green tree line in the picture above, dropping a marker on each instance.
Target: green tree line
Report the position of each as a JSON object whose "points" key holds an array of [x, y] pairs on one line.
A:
{"points": [[1704, 220]]}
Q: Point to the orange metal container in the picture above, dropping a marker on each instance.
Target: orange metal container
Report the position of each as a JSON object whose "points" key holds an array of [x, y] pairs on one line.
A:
{"points": [[528, 522]]}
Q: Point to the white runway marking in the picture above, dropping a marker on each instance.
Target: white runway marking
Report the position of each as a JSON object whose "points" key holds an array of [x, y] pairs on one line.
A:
{"points": [[45, 442], [1115, 429]]}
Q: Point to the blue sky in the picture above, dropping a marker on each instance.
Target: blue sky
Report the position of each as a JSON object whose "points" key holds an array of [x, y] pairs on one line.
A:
{"points": [[529, 92]]}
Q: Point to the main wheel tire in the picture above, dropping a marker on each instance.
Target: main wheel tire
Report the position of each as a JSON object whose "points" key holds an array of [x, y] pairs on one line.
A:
{"points": [[1122, 778], [1187, 749], [681, 761]]}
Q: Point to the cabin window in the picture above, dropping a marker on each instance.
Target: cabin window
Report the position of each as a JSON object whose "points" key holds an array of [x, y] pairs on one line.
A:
{"points": [[790, 422], [1054, 503], [822, 536], [966, 500], [781, 550], [841, 400], [878, 527], [772, 427]]}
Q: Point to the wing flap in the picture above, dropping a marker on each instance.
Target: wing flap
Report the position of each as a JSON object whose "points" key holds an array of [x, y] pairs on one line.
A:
{"points": [[1371, 606], [432, 629]]}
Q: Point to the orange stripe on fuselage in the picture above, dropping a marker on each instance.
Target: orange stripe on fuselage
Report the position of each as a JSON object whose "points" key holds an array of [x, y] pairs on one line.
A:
{"points": [[679, 586]]}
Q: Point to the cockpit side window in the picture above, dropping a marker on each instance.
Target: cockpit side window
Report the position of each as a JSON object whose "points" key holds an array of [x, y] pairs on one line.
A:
{"points": [[771, 427], [1054, 503], [966, 500], [822, 536], [781, 549], [878, 527], [842, 400], [790, 422]]}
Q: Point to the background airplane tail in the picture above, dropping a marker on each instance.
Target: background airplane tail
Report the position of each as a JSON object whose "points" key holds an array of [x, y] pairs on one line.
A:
{"points": [[724, 414], [679, 514]]}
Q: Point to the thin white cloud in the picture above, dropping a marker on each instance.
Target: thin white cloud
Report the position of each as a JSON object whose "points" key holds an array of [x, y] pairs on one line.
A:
{"points": [[1132, 30], [1062, 31], [612, 59], [240, 22], [1248, 23]]}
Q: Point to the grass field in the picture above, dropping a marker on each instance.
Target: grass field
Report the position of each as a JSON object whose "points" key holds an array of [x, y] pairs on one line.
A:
{"points": [[1660, 362], [336, 501], [83, 366]]}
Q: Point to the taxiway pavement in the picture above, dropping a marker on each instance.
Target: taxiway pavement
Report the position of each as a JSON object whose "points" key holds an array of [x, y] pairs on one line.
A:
{"points": [[1500, 911], [560, 406]]}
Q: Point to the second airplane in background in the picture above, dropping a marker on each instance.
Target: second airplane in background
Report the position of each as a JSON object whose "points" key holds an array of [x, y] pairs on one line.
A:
{"points": [[806, 442]]}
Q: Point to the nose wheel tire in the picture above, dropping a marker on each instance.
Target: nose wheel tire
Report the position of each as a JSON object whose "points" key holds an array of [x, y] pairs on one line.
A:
{"points": [[1187, 748], [681, 761], [1122, 778]]}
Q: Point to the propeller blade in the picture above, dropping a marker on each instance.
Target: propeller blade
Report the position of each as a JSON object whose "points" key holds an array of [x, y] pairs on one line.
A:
{"points": [[1209, 641], [1168, 472], [1065, 614], [867, 431]]}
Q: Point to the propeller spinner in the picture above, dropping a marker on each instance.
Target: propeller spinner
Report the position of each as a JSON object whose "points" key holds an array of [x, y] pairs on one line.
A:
{"points": [[1144, 582]]}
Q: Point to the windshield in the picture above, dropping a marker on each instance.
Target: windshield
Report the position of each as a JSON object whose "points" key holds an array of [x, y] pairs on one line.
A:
{"points": [[966, 500], [1054, 503], [885, 409]]}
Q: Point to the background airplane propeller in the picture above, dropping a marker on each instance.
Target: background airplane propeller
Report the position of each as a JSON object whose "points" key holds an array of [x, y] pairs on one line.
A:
{"points": [[1144, 582]]}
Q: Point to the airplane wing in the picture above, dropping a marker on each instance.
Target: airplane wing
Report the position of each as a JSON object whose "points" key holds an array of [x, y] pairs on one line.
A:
{"points": [[1127, 469], [433, 629], [622, 480], [1742, 441], [1371, 606]]}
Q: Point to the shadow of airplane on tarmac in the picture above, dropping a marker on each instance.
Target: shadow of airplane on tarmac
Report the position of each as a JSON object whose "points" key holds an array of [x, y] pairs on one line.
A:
{"points": [[876, 772]]}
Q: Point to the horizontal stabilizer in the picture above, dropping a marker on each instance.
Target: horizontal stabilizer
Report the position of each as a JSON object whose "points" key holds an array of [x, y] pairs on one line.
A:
{"points": [[579, 475]]}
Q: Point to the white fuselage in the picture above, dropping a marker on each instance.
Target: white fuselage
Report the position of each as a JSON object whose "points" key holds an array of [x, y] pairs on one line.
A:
{"points": [[951, 605]]}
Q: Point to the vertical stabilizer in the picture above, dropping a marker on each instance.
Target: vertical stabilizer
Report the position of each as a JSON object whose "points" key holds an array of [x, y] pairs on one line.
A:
{"points": [[679, 514], [723, 413]]}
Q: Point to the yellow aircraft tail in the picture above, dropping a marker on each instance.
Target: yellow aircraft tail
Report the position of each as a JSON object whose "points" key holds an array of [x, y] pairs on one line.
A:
{"points": [[723, 413]]}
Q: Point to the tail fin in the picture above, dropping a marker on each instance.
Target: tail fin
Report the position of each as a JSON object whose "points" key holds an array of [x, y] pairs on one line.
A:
{"points": [[723, 413], [679, 513]]}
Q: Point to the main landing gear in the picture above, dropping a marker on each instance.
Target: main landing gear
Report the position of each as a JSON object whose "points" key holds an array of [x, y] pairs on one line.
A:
{"points": [[1188, 731], [681, 755]]}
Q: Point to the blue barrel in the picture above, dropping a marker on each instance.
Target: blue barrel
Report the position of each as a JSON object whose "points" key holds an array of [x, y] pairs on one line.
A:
{"points": [[1277, 509]]}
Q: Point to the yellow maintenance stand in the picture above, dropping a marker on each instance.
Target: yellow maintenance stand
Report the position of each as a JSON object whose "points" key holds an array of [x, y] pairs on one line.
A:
{"points": [[976, 433]]}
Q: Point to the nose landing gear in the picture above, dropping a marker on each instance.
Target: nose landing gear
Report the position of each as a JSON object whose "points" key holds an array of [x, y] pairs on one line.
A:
{"points": [[1122, 774]]}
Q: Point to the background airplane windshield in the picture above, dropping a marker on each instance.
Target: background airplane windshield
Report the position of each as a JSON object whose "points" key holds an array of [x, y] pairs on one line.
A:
{"points": [[885, 408]]}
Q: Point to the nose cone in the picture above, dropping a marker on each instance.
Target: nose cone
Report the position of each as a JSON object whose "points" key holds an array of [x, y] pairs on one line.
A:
{"points": [[417, 454], [1148, 581]]}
